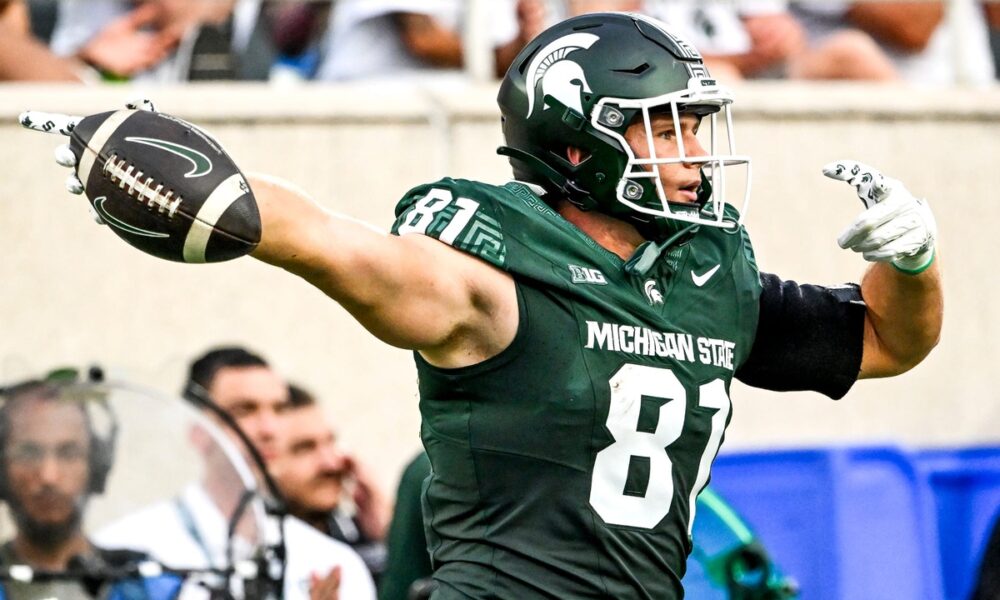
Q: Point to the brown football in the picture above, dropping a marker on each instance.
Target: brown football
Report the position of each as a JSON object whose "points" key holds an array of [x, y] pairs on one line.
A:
{"points": [[165, 187]]}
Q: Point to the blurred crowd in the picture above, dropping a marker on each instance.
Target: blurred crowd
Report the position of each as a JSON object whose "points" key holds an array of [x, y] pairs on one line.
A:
{"points": [[55, 456], [164, 41]]}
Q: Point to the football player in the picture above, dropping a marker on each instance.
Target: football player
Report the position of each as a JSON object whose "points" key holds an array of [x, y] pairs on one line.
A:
{"points": [[576, 330]]}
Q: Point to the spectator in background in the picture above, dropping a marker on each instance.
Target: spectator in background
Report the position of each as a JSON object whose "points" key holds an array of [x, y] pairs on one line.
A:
{"points": [[581, 7], [915, 36], [316, 475], [843, 55], [24, 58], [42, 14], [297, 30], [714, 28], [993, 18], [756, 39], [193, 527], [124, 46], [381, 39], [193, 39], [14, 16], [119, 46], [762, 39], [52, 460]]}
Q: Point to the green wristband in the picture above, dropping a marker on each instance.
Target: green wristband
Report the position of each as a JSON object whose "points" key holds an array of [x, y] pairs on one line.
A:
{"points": [[919, 269]]}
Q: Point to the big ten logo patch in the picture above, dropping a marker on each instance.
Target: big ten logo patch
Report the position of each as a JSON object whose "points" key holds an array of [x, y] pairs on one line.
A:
{"points": [[585, 275]]}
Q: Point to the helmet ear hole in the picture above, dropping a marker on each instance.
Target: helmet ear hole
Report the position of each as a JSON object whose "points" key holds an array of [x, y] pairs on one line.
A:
{"points": [[576, 156]]}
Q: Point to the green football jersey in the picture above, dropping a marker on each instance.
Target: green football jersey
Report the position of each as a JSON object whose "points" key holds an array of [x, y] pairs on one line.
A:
{"points": [[568, 465]]}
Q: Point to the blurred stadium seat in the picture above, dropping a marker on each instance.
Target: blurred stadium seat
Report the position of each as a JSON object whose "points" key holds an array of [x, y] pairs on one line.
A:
{"points": [[847, 523], [966, 487]]}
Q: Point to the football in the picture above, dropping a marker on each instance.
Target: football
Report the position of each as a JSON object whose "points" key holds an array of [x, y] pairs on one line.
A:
{"points": [[165, 187]]}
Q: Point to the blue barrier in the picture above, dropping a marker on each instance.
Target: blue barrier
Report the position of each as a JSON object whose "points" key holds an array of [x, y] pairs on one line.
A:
{"points": [[847, 523], [966, 486]]}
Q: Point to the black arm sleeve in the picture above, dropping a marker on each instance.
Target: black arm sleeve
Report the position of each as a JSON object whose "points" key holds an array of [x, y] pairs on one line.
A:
{"points": [[809, 337]]}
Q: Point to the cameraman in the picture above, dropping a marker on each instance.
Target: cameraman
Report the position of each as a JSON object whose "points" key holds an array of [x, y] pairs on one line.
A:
{"points": [[51, 461]]}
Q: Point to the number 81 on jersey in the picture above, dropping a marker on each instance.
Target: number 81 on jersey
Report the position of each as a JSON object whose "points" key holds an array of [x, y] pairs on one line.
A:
{"points": [[609, 495]]}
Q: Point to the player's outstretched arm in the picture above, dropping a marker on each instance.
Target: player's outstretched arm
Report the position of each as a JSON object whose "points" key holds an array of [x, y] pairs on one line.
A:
{"points": [[902, 288], [410, 291]]}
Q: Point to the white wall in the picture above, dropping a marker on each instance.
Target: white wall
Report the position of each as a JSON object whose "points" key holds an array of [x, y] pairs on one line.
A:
{"points": [[74, 293]]}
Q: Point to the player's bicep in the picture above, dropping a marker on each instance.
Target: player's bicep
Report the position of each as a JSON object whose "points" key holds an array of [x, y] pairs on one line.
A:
{"points": [[417, 292], [410, 290]]}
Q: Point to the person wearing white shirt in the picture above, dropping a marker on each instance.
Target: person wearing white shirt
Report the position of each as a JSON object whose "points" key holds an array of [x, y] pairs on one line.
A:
{"points": [[193, 529], [190, 532], [390, 39], [171, 34], [925, 47]]}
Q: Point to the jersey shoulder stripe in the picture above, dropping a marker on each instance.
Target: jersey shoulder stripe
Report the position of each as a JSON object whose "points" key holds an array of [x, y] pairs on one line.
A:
{"points": [[461, 213]]}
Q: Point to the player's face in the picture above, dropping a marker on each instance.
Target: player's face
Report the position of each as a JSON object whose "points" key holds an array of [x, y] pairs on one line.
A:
{"points": [[47, 461], [680, 180], [256, 398], [310, 467]]}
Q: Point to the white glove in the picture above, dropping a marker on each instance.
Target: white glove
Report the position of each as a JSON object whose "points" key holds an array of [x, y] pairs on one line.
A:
{"points": [[65, 124], [895, 227]]}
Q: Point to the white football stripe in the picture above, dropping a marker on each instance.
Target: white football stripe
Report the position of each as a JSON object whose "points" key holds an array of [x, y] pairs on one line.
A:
{"points": [[221, 198], [96, 143]]}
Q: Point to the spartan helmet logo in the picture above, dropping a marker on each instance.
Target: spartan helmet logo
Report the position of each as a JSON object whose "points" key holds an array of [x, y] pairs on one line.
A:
{"points": [[561, 78], [652, 294]]}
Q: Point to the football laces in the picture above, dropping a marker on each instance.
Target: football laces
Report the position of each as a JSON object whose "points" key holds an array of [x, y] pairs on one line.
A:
{"points": [[140, 186]]}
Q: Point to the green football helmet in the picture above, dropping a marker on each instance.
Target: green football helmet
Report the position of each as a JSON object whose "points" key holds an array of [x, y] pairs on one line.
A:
{"points": [[582, 83]]}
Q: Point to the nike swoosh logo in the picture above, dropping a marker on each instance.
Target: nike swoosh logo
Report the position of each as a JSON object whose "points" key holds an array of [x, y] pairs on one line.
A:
{"points": [[200, 164], [700, 280], [122, 225]]}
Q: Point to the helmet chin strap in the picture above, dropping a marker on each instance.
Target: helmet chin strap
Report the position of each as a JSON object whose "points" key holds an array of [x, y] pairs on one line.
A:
{"points": [[564, 185]]}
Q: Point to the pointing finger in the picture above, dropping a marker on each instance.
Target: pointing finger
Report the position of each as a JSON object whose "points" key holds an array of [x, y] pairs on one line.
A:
{"points": [[49, 122], [842, 170], [872, 186]]}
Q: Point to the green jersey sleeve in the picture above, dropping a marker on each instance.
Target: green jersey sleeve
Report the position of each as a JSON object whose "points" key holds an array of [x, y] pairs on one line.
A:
{"points": [[462, 214]]}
